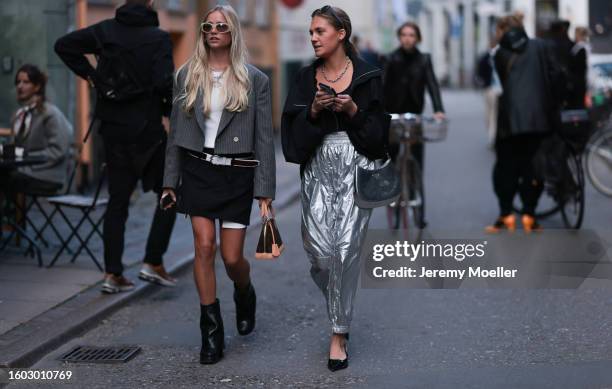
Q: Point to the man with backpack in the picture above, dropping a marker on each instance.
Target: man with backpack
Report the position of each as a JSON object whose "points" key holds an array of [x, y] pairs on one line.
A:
{"points": [[133, 81]]}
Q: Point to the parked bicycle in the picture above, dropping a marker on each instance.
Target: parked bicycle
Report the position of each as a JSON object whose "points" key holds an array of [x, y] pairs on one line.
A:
{"points": [[559, 164], [598, 159], [407, 129]]}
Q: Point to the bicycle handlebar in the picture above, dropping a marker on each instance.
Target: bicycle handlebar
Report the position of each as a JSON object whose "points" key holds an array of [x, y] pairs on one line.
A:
{"points": [[415, 117]]}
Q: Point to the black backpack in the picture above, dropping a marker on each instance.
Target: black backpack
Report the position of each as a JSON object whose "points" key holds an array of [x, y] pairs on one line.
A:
{"points": [[117, 77], [123, 97]]}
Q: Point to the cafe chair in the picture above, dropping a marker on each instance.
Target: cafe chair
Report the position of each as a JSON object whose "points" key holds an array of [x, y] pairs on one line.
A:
{"points": [[33, 201], [17, 229], [87, 205]]}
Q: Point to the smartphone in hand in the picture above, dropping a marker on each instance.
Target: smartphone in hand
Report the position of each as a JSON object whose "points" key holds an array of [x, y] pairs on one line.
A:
{"points": [[327, 89]]}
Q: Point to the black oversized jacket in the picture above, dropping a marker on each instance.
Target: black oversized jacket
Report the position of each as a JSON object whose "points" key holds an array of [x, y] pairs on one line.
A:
{"points": [[368, 130], [532, 85], [134, 26], [406, 76]]}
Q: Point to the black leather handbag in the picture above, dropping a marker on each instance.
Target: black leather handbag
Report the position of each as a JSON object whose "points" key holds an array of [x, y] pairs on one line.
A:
{"points": [[270, 244], [378, 187]]}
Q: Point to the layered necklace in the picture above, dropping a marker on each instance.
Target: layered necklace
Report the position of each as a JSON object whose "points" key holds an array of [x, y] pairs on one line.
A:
{"points": [[216, 76], [348, 62]]}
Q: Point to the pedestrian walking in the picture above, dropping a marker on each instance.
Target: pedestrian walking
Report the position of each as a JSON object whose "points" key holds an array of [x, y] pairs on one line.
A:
{"points": [[366, 51], [133, 80], [407, 73], [42, 130], [572, 61], [334, 121], [220, 156], [578, 68], [488, 79], [528, 112]]}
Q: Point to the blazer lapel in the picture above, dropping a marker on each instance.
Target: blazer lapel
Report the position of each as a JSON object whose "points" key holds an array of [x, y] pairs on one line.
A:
{"points": [[199, 112], [226, 118], [35, 121]]}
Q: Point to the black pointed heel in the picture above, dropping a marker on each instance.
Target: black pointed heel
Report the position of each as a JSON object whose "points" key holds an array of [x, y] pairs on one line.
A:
{"points": [[213, 337], [339, 364]]}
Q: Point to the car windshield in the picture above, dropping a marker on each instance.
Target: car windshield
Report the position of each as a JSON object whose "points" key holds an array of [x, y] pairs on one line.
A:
{"points": [[604, 69]]}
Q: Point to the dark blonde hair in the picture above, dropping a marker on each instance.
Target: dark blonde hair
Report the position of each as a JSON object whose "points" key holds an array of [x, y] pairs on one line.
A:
{"points": [[508, 22], [199, 79], [340, 21]]}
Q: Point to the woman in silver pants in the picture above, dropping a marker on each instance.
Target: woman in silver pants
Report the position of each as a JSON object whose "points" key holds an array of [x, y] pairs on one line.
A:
{"points": [[334, 121], [333, 227]]}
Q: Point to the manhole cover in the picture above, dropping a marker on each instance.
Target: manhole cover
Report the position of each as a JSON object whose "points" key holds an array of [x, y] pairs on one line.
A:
{"points": [[93, 354]]}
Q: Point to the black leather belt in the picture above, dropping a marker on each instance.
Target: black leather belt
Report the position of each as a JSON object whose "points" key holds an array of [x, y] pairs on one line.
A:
{"points": [[225, 161]]}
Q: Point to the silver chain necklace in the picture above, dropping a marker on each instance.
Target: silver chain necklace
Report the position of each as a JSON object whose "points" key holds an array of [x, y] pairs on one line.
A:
{"points": [[348, 62], [216, 78]]}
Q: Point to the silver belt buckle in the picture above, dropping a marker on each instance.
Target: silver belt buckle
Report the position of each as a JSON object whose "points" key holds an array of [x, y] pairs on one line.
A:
{"points": [[218, 160]]}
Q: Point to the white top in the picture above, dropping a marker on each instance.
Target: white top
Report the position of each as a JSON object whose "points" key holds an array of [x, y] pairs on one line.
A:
{"points": [[24, 113], [216, 109]]}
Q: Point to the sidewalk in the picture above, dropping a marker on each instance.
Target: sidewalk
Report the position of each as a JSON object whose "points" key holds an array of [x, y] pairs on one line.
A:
{"points": [[28, 292]]}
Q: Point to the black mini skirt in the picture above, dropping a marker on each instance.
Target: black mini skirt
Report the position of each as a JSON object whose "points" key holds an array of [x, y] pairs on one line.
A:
{"points": [[214, 191]]}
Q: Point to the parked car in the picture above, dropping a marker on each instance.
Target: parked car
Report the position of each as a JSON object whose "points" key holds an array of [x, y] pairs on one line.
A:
{"points": [[599, 96]]}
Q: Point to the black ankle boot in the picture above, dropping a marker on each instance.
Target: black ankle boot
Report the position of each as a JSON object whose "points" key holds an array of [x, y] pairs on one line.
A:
{"points": [[211, 326], [245, 309]]}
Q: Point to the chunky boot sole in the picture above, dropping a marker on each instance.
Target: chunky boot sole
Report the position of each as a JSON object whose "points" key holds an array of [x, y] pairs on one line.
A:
{"points": [[213, 338], [211, 360]]}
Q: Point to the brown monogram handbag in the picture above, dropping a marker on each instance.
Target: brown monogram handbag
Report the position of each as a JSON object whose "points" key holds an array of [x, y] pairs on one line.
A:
{"points": [[270, 244]]}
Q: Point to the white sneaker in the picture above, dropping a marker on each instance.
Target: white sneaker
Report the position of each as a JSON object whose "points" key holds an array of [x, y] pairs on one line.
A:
{"points": [[156, 275]]}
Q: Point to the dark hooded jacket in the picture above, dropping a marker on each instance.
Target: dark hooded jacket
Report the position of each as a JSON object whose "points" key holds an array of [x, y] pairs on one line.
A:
{"points": [[368, 130], [407, 74], [150, 56], [530, 79]]}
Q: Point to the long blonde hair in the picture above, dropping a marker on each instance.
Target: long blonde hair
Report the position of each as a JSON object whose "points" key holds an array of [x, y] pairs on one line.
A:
{"points": [[199, 78]]}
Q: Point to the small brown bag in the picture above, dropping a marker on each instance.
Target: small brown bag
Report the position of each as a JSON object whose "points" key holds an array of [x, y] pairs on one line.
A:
{"points": [[270, 244]]}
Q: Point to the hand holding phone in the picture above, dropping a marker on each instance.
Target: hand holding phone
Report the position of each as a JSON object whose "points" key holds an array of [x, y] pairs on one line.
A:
{"points": [[327, 89], [324, 98]]}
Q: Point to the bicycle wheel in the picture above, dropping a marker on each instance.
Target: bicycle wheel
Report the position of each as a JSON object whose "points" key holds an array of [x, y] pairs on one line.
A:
{"points": [[599, 163], [409, 206], [397, 212], [572, 207], [394, 215], [416, 202]]}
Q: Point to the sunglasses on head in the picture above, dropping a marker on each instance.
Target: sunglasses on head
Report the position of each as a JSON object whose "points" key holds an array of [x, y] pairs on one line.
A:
{"points": [[207, 27], [328, 10]]}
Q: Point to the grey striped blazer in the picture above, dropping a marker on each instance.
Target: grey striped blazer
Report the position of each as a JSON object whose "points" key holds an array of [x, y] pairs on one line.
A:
{"points": [[239, 132]]}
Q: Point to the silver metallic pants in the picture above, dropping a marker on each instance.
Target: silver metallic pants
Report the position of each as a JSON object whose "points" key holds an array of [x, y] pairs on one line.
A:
{"points": [[333, 227]]}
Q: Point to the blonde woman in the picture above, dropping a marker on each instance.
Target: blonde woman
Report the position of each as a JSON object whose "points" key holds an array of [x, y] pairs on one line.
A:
{"points": [[220, 156]]}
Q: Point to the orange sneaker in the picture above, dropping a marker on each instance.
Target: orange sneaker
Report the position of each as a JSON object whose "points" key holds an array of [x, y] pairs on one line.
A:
{"points": [[502, 223], [530, 224]]}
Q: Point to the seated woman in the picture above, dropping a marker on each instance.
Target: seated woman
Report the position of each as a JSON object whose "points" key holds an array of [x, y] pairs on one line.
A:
{"points": [[43, 131]]}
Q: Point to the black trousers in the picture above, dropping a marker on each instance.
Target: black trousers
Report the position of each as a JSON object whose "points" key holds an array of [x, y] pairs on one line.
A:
{"points": [[124, 169], [514, 172]]}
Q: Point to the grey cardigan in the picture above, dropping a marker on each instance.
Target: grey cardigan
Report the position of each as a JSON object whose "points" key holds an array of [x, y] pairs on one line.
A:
{"points": [[50, 136], [239, 132]]}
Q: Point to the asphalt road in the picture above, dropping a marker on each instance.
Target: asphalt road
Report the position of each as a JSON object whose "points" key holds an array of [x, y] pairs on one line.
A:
{"points": [[400, 338]]}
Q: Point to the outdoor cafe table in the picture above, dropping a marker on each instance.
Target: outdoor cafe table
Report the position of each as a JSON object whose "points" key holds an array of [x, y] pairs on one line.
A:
{"points": [[14, 163], [7, 165]]}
